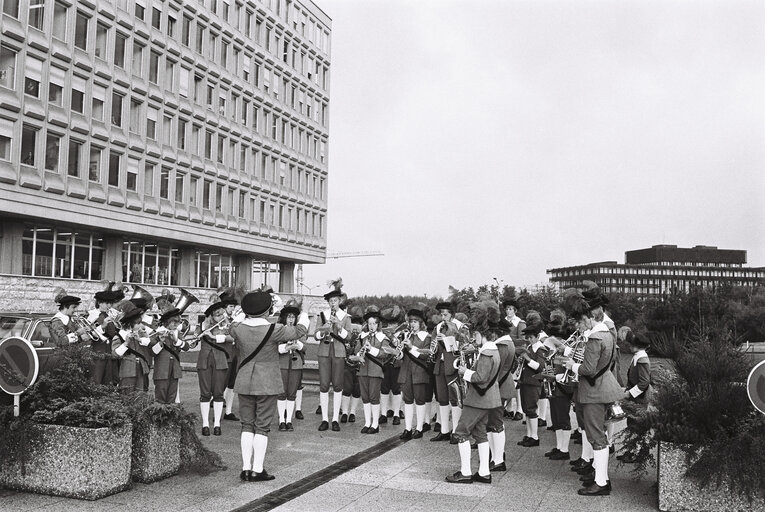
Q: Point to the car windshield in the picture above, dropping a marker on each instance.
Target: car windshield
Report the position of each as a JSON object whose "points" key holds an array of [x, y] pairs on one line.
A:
{"points": [[12, 326]]}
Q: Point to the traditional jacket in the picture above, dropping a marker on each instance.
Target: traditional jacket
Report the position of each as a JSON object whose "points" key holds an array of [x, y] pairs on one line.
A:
{"points": [[370, 368], [639, 377], [261, 375], [445, 358], [517, 325], [506, 357], [411, 371], [292, 360], [105, 328], [336, 337], [599, 350], [535, 366], [62, 332], [219, 344], [167, 361], [484, 371], [616, 366], [134, 353]]}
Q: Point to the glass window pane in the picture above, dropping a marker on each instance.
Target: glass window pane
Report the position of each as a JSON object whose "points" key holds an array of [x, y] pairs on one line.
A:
{"points": [[63, 261], [150, 263], [163, 266]]}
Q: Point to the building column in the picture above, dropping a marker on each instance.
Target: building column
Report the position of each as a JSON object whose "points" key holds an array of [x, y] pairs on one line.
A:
{"points": [[11, 249], [187, 274], [286, 277], [243, 264], [112, 259]]}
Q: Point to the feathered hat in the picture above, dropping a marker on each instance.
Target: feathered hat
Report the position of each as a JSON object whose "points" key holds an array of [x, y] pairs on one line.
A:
{"points": [[233, 294], [557, 324], [63, 299], [482, 314], [108, 294], [335, 288], [167, 308], [356, 315], [573, 303], [593, 295], [292, 306], [419, 311], [372, 312], [534, 322]]}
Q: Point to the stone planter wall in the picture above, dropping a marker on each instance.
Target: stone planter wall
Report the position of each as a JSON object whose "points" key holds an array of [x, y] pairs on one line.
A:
{"points": [[679, 493], [156, 452], [74, 462]]}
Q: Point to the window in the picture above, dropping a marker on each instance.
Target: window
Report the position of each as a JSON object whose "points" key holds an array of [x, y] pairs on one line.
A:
{"points": [[206, 190], [140, 11], [231, 198], [81, 31], [131, 182], [120, 41], [28, 145], [169, 81], [75, 158], [193, 181], [179, 177], [183, 82], [198, 88], [186, 30], [59, 21], [164, 183], [56, 86], [11, 8], [167, 130], [117, 109], [208, 144], [210, 94], [148, 179], [94, 164], [52, 153], [151, 123], [156, 17], [211, 46], [199, 38], [33, 77], [97, 109], [214, 270], [224, 54], [62, 253], [170, 25], [241, 203], [224, 13], [102, 33], [7, 67], [219, 198], [242, 157], [194, 148], [114, 169], [245, 111], [153, 67], [148, 262], [6, 136], [181, 134], [36, 13], [221, 145], [137, 65], [135, 115]]}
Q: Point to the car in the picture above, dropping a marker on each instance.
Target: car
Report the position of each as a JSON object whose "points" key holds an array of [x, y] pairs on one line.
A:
{"points": [[34, 327]]}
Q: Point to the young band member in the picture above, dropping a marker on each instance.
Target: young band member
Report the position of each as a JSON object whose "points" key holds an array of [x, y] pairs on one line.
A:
{"points": [[106, 330], [516, 325], [228, 297], [299, 403], [390, 390], [496, 426], [291, 360], [331, 334], [167, 361], [560, 400], [482, 396], [370, 356], [533, 360], [133, 347], [445, 372], [351, 389], [258, 381], [62, 330], [597, 389], [638, 380], [415, 374], [212, 365]]}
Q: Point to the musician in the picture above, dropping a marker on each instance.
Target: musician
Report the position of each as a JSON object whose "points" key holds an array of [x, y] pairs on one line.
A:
{"points": [[415, 374], [560, 400], [212, 365], [291, 360], [106, 330], [133, 347], [351, 389], [228, 297], [533, 360], [638, 380], [515, 325], [390, 390], [482, 396], [62, 331], [447, 330], [331, 335], [596, 391], [167, 361], [496, 426], [258, 381], [371, 370]]}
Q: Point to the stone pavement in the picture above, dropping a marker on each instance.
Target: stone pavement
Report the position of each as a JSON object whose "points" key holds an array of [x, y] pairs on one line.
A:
{"points": [[408, 477]]}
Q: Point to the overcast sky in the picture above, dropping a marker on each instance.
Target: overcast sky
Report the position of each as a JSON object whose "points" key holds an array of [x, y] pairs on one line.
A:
{"points": [[479, 139]]}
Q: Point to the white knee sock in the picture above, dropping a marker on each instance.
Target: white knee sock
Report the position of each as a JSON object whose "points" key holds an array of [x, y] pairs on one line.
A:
{"points": [[558, 439], [336, 402], [513, 405], [421, 413], [281, 408], [490, 436], [367, 415], [259, 446], [444, 413], [324, 402], [565, 438], [408, 416], [600, 463], [178, 395], [217, 413], [586, 448], [483, 459], [542, 407], [344, 404], [246, 443], [290, 410], [456, 415], [384, 402], [533, 424], [354, 404], [205, 410], [228, 396], [396, 400], [464, 448], [499, 447], [299, 400], [375, 415], [610, 429]]}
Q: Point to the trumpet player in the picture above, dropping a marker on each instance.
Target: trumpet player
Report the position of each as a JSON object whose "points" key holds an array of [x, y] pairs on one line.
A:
{"points": [[496, 425], [228, 297], [106, 331], [533, 359], [291, 360], [371, 369], [212, 365], [414, 376], [515, 325], [561, 396], [448, 337], [133, 346], [167, 361], [63, 332]]}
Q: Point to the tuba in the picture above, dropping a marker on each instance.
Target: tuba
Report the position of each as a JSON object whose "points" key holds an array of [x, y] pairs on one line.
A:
{"points": [[184, 301], [140, 293]]}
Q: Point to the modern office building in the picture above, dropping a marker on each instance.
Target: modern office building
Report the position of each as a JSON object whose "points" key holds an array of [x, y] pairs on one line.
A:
{"points": [[664, 269], [178, 143]]}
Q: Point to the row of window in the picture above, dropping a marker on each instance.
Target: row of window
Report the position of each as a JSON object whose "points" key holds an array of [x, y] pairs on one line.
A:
{"points": [[660, 272]]}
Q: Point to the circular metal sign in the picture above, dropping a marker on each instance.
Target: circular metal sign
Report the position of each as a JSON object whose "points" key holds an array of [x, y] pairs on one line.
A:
{"points": [[18, 365], [755, 386]]}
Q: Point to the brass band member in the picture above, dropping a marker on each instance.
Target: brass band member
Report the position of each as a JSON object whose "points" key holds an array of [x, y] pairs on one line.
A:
{"points": [[390, 390], [371, 369], [335, 328], [560, 400], [291, 360], [446, 331], [229, 298], [496, 426], [638, 379], [62, 331], [133, 347], [102, 350], [212, 365], [415, 374], [532, 359], [258, 381], [167, 361], [516, 325], [351, 390]]}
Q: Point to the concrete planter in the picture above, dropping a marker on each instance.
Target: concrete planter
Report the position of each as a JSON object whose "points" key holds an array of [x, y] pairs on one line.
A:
{"points": [[679, 493], [84, 463], [156, 452]]}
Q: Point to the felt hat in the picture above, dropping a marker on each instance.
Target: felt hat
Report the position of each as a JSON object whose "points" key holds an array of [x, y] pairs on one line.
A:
{"points": [[63, 299], [256, 303], [445, 305], [335, 288], [212, 308], [416, 313], [372, 312]]}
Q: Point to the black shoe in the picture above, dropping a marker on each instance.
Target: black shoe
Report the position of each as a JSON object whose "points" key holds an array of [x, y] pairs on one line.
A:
{"points": [[434, 418], [365, 430], [318, 410], [576, 435], [611, 450], [436, 427], [290, 428], [585, 470], [373, 430], [497, 467], [401, 415], [261, 477], [542, 423], [518, 416], [522, 441], [481, 479], [578, 441], [507, 414], [216, 431], [595, 490], [389, 413], [396, 420], [580, 464], [205, 431], [530, 442], [335, 426], [351, 418], [590, 475], [576, 462], [560, 456], [551, 428], [440, 437], [245, 475], [230, 417], [552, 452], [473, 446], [343, 418], [406, 435], [299, 415], [426, 427], [417, 434], [324, 426], [459, 478], [282, 427], [382, 420], [524, 422]]}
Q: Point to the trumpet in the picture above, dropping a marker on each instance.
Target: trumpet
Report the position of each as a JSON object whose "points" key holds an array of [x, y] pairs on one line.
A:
{"points": [[80, 322], [577, 342]]}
